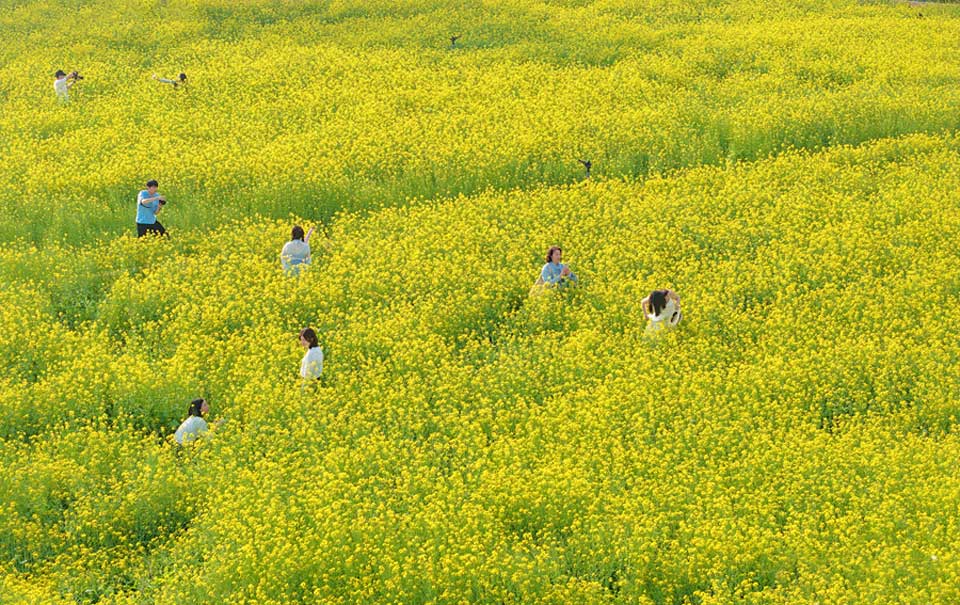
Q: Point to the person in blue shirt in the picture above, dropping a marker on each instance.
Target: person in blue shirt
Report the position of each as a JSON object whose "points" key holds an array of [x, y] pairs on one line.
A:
{"points": [[149, 204], [296, 252], [555, 273]]}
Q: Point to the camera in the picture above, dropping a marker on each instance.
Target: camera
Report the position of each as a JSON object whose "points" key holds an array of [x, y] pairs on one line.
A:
{"points": [[162, 201], [75, 75]]}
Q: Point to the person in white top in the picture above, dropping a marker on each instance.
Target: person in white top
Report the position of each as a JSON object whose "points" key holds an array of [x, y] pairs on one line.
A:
{"points": [[296, 252], [194, 425], [662, 308], [180, 81], [62, 84], [312, 364]]}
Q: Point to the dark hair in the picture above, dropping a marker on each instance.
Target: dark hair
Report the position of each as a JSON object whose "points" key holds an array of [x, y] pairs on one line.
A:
{"points": [[195, 406], [310, 336], [297, 233], [551, 251], [59, 73], [658, 300], [183, 76], [152, 183]]}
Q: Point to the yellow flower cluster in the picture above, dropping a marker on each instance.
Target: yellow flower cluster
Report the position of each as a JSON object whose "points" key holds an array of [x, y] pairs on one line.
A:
{"points": [[314, 108], [794, 440]]}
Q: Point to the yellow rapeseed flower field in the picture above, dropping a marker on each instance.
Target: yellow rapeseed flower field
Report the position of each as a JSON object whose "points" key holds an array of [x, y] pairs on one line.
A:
{"points": [[791, 170]]}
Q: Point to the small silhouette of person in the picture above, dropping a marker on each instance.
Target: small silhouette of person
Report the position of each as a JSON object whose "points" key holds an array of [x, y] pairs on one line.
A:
{"points": [[180, 81]]}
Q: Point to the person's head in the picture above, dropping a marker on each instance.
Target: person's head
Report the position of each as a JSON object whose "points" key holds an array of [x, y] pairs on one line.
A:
{"points": [[554, 254], [308, 338], [152, 186], [183, 77], [198, 407], [60, 74], [658, 301], [297, 233]]}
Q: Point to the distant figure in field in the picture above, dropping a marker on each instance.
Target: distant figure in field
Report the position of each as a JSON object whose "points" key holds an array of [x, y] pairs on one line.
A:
{"points": [[296, 252], [149, 204], [312, 364], [62, 83], [194, 425], [588, 165], [555, 273], [662, 308], [180, 81]]}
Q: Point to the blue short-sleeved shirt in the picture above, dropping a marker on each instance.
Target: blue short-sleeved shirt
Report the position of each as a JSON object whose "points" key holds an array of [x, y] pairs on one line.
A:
{"points": [[147, 210], [551, 273]]}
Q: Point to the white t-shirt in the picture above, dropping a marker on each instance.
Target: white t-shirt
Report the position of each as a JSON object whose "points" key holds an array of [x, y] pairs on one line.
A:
{"points": [[295, 252], [312, 363], [60, 87], [190, 429], [670, 314]]}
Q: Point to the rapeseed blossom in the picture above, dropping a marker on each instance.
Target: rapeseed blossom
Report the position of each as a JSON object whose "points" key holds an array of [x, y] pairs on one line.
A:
{"points": [[792, 441]]}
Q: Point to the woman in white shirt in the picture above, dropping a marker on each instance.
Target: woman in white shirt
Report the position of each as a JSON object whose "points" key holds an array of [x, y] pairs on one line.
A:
{"points": [[312, 364], [194, 425], [662, 308], [296, 252]]}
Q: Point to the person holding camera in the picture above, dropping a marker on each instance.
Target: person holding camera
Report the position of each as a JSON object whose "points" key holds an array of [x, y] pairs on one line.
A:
{"points": [[62, 84], [149, 204]]}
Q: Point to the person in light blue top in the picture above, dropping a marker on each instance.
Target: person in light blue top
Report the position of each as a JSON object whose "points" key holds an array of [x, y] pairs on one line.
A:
{"points": [[149, 204], [296, 252], [555, 273]]}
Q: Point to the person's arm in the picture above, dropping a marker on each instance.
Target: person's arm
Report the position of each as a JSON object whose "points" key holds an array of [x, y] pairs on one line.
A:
{"points": [[568, 274], [148, 198], [306, 240], [674, 297], [547, 275], [645, 305]]}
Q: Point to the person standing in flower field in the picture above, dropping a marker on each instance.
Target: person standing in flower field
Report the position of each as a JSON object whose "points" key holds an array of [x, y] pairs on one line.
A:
{"points": [[662, 308], [149, 205], [194, 425], [554, 272], [296, 252], [62, 83], [312, 364]]}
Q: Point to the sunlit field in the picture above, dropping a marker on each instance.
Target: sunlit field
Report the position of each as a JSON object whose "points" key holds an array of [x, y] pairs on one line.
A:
{"points": [[792, 170]]}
